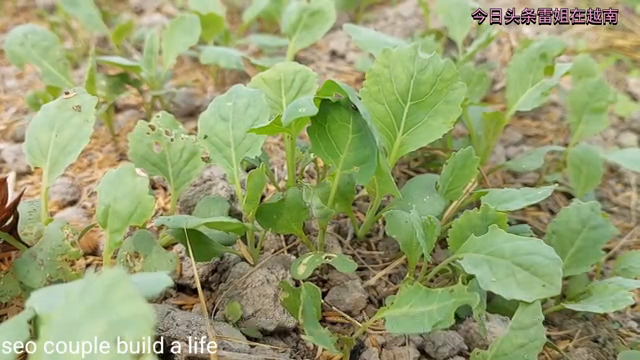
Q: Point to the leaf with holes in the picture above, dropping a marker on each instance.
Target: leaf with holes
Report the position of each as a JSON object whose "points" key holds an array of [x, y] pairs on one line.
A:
{"points": [[516, 199], [531, 160], [578, 233], [514, 267], [459, 170], [304, 23], [413, 98], [142, 253], [285, 213], [304, 265], [474, 222], [585, 167], [163, 148]]}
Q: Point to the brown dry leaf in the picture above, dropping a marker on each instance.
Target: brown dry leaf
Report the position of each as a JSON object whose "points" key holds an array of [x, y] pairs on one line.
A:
{"points": [[9, 215]]}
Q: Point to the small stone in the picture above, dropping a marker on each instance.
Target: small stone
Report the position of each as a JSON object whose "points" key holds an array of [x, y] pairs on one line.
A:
{"points": [[13, 155], [349, 297], [511, 136], [470, 330], [370, 354], [18, 132], [124, 118], [408, 352], [627, 139], [499, 155], [441, 345], [65, 192], [185, 102]]}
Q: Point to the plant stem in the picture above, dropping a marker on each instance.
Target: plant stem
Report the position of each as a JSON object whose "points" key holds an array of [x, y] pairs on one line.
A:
{"points": [[12, 241], [321, 238], [553, 309], [371, 216], [173, 204], [109, 120], [261, 242], [107, 253], [305, 240], [334, 189], [44, 196], [290, 52], [290, 149], [436, 269]]}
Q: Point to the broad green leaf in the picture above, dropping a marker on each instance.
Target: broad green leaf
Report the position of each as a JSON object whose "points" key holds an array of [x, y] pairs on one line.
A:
{"points": [[488, 126], [458, 171], [233, 312], [514, 267], [224, 128], [584, 67], [576, 285], [345, 193], [340, 136], [59, 131], [122, 31], [474, 222], [124, 200], [142, 253], [87, 13], [625, 106], [382, 183], [30, 226], [256, 183], [477, 80], [309, 317], [16, 329], [213, 207], [321, 212], [588, 106], [284, 214], [455, 15], [9, 287], [578, 233], [204, 248], [516, 199], [417, 309], [33, 44], [416, 235], [51, 259], [224, 57], [290, 298], [628, 264], [524, 338], [162, 147], [221, 223], [253, 11], [283, 84], [585, 167], [532, 74], [108, 290], [605, 296], [182, 33], [413, 98], [628, 158], [420, 193], [629, 355], [531, 160], [521, 230], [150, 55], [304, 265], [371, 40], [304, 23]]}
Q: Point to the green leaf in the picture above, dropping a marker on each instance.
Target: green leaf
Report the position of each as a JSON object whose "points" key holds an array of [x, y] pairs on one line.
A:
{"points": [[486, 36], [17, 329], [123, 63], [58, 133], [534, 62], [628, 264], [516, 199], [204, 248], [531, 160], [91, 78], [585, 167], [182, 33], [458, 171], [124, 200], [51, 259], [588, 106], [477, 80], [254, 10], [264, 41], [283, 84], [9, 287], [122, 31], [87, 13], [584, 67], [606, 296], [474, 222], [455, 15], [309, 316], [304, 265], [371, 40], [345, 193], [524, 338], [413, 98], [625, 106], [207, 6], [488, 126], [33, 44], [150, 54], [521, 230], [416, 235], [514, 267], [340, 136], [142, 253], [224, 57], [162, 147], [578, 233], [256, 183], [628, 158], [221, 223], [30, 226], [224, 128], [420, 193], [290, 298], [417, 309], [382, 181], [213, 207], [108, 290], [233, 312], [284, 214], [304, 23], [629, 355]]}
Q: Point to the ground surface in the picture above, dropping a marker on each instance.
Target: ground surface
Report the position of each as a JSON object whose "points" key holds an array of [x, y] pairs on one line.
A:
{"points": [[578, 337]]}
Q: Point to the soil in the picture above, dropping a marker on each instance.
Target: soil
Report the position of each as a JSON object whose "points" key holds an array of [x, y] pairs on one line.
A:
{"points": [[269, 331]]}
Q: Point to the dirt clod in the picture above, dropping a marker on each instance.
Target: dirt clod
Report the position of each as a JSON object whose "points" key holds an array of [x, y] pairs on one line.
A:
{"points": [[210, 273], [471, 331], [349, 297], [65, 192], [406, 352], [212, 181], [441, 345]]}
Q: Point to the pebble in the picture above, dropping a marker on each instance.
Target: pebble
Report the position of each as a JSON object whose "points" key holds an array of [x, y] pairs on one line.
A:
{"points": [[349, 297], [627, 139], [65, 192]]}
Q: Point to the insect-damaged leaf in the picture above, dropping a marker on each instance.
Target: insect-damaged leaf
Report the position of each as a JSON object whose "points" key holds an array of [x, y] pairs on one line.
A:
{"points": [[578, 233], [420, 193], [224, 128], [50, 260], [182, 33], [417, 309], [531, 160], [371, 40], [474, 222], [87, 13], [341, 137], [606, 296], [142, 253], [413, 98], [516, 199], [284, 213], [304, 265], [524, 338], [585, 167], [459, 170], [59, 131], [416, 235], [304, 22], [514, 267], [33, 44], [123, 201], [162, 147]]}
